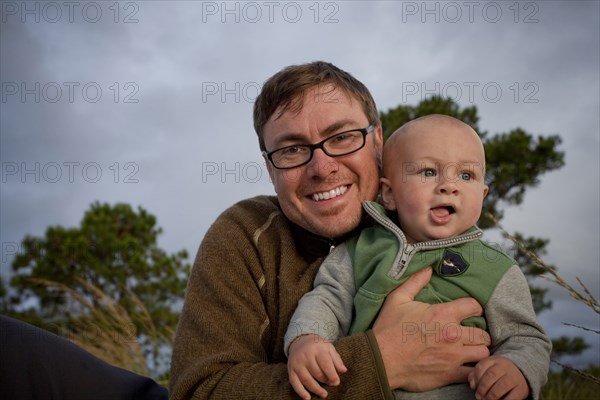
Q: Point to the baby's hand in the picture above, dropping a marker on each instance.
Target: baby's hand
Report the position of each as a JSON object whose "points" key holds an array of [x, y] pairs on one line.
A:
{"points": [[312, 360], [497, 377]]}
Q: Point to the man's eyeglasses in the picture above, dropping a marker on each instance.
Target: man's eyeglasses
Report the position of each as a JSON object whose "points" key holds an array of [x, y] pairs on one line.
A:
{"points": [[340, 144]]}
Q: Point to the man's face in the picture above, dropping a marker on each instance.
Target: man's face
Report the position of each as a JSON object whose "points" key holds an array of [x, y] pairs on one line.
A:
{"points": [[435, 180], [324, 195]]}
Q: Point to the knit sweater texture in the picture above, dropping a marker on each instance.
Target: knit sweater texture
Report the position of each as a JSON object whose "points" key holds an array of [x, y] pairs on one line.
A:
{"points": [[252, 268]]}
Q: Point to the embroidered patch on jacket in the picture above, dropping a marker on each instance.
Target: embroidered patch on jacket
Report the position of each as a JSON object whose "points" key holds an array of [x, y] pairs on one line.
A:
{"points": [[452, 264]]}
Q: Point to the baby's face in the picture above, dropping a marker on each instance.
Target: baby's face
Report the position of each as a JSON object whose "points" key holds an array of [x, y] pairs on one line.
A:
{"points": [[435, 180]]}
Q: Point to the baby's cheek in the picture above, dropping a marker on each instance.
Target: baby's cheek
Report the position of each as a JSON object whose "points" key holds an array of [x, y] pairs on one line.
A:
{"points": [[414, 201], [409, 209]]}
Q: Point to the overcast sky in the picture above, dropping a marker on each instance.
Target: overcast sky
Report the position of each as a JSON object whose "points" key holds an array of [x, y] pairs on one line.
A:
{"points": [[150, 103]]}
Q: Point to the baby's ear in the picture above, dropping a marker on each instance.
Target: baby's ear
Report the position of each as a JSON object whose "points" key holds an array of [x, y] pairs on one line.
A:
{"points": [[387, 197], [486, 190]]}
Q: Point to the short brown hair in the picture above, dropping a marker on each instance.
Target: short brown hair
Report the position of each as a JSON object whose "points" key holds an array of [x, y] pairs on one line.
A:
{"points": [[285, 90]]}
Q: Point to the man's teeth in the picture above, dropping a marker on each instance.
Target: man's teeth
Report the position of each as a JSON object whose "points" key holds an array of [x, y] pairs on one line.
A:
{"points": [[330, 194]]}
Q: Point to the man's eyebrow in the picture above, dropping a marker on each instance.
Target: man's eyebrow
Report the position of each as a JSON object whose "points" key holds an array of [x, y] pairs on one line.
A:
{"points": [[336, 127], [291, 137]]}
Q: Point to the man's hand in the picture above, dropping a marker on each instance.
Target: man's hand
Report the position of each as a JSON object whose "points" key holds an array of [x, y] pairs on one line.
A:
{"points": [[312, 360], [423, 346], [497, 377]]}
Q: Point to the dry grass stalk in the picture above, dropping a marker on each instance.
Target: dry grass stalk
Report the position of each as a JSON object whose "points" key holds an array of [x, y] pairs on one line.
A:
{"points": [[105, 328], [551, 275], [583, 374]]}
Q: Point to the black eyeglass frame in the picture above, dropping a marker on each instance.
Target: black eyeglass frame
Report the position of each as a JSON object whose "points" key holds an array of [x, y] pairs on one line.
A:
{"points": [[320, 145]]}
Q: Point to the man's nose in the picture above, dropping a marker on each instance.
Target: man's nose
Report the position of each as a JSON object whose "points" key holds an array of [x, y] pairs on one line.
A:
{"points": [[321, 164]]}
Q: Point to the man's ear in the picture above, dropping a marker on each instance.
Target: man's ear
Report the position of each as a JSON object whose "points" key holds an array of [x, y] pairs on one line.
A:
{"points": [[387, 197], [378, 139]]}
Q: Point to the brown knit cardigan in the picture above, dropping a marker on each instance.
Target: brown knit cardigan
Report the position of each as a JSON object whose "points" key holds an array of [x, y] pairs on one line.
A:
{"points": [[252, 268]]}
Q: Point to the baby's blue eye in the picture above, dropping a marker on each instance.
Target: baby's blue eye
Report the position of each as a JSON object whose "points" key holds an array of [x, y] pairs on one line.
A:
{"points": [[466, 176], [428, 173]]}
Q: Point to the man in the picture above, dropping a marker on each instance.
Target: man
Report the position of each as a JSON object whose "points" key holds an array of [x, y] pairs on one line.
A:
{"points": [[261, 255]]}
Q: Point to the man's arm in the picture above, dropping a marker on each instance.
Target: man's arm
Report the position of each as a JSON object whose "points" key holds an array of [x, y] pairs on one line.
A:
{"points": [[423, 346], [224, 343]]}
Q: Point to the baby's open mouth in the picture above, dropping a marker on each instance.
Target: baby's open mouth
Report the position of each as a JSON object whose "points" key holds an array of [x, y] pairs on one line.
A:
{"points": [[450, 209], [442, 211]]}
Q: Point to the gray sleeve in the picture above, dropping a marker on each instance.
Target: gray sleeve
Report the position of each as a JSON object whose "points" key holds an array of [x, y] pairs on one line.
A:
{"points": [[327, 309], [516, 333]]}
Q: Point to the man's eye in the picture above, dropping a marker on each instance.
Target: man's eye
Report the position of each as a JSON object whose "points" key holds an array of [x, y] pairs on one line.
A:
{"points": [[342, 138], [290, 151]]}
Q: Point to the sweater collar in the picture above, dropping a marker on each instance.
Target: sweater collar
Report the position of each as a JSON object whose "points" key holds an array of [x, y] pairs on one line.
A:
{"points": [[319, 246]]}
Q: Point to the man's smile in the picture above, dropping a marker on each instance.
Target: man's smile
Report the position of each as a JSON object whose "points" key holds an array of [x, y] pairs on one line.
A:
{"points": [[330, 194]]}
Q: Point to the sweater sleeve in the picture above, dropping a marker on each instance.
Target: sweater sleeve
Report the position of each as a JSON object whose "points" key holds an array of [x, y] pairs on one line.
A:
{"points": [[217, 352], [516, 333], [229, 341], [327, 309]]}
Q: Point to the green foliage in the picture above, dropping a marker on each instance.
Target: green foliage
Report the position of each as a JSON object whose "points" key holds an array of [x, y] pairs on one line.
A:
{"points": [[394, 118], [565, 345], [515, 162], [114, 250]]}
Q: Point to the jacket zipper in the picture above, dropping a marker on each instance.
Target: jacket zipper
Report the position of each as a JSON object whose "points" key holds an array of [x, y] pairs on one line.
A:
{"points": [[407, 250]]}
